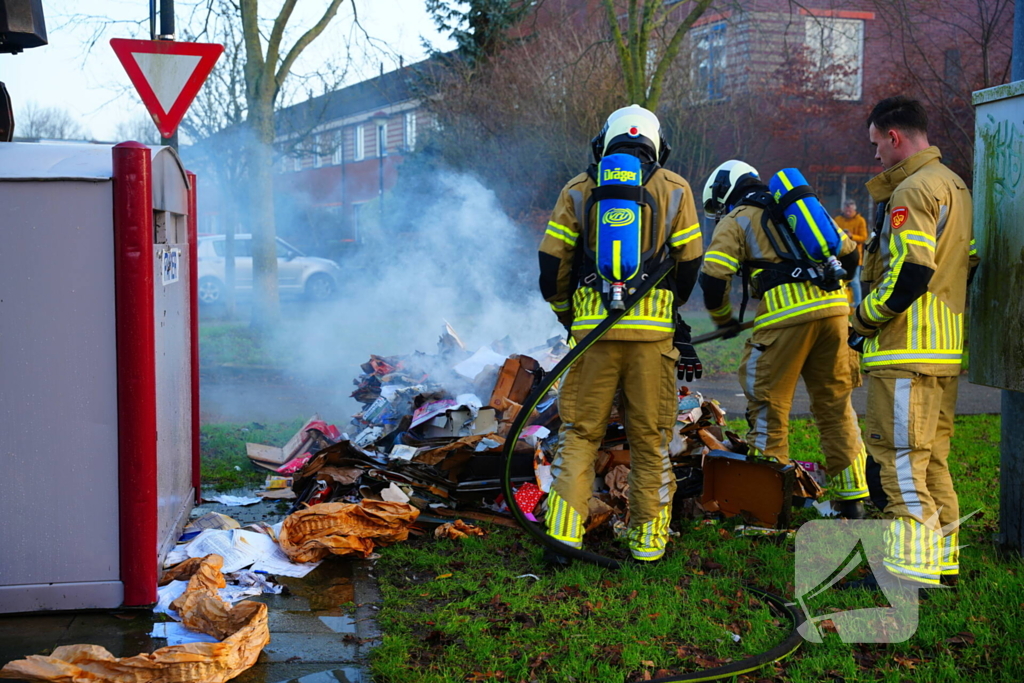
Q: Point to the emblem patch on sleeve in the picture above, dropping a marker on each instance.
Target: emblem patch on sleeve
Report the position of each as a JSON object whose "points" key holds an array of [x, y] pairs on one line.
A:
{"points": [[899, 216]]}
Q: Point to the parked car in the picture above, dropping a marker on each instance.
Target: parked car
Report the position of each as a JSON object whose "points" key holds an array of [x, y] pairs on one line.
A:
{"points": [[315, 278]]}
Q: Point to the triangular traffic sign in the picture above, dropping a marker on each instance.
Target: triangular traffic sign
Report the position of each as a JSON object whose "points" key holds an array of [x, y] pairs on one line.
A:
{"points": [[167, 75]]}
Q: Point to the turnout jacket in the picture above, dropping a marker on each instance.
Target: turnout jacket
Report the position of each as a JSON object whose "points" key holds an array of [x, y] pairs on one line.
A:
{"points": [[917, 267], [676, 225], [739, 237]]}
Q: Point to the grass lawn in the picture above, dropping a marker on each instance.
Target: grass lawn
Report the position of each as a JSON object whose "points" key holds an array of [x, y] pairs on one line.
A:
{"points": [[222, 447], [239, 344], [721, 356], [464, 611]]}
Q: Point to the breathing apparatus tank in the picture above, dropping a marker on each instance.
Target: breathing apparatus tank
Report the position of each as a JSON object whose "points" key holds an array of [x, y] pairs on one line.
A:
{"points": [[618, 254], [816, 232]]}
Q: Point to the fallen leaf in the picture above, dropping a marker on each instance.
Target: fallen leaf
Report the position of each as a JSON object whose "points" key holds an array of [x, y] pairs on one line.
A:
{"points": [[444, 576]]}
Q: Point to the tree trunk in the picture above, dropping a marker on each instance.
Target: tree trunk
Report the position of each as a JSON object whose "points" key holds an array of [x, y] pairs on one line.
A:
{"points": [[266, 306]]}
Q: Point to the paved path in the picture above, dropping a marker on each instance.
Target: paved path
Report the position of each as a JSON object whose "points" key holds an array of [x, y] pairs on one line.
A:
{"points": [[241, 400]]}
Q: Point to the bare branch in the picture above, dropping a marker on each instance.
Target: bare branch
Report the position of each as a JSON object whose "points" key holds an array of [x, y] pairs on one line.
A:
{"points": [[307, 38]]}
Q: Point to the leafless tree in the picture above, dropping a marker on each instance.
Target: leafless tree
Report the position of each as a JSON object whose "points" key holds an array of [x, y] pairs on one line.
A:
{"points": [[140, 129], [54, 123], [647, 37], [945, 51]]}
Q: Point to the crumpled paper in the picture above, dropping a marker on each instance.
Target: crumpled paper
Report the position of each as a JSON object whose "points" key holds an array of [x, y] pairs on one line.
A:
{"points": [[242, 629], [457, 529], [617, 481], [312, 534]]}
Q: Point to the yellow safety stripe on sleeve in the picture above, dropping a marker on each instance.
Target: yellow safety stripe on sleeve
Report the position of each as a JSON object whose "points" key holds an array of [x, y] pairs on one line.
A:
{"points": [[796, 298], [919, 238], [802, 205], [563, 522], [949, 562], [653, 312], [933, 357], [974, 249], [648, 540], [852, 483], [563, 233], [912, 550], [881, 294], [560, 306], [721, 258], [685, 236]]}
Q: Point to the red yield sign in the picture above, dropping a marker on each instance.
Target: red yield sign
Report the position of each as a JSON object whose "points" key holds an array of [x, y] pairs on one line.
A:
{"points": [[167, 74]]}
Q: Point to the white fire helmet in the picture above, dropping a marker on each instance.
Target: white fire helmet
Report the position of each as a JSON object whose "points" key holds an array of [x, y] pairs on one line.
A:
{"points": [[632, 124], [721, 183]]}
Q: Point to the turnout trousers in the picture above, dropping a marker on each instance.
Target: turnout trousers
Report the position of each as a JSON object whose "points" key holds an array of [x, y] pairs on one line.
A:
{"points": [[909, 427], [773, 360], [645, 372]]}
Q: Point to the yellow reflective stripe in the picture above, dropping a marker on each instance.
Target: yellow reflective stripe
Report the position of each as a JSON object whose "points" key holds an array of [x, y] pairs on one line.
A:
{"points": [[974, 248], [617, 259], [570, 242], [920, 235], [685, 236], [930, 246], [559, 306], [723, 311], [564, 229], [726, 257]]}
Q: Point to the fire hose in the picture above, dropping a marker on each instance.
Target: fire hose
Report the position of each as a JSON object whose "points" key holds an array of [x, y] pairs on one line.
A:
{"points": [[792, 641]]}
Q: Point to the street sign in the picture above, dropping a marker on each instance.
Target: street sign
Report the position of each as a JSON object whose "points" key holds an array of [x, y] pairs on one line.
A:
{"points": [[167, 75]]}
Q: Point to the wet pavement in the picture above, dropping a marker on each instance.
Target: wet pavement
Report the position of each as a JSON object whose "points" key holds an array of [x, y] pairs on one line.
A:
{"points": [[321, 629]]}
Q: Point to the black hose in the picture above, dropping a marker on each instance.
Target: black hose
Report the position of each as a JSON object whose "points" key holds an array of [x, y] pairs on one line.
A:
{"points": [[787, 647]]}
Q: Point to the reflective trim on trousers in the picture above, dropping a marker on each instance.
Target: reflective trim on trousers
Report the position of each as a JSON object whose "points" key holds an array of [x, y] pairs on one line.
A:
{"points": [[647, 541], [950, 560], [563, 522], [761, 421], [901, 440], [852, 483], [912, 550]]}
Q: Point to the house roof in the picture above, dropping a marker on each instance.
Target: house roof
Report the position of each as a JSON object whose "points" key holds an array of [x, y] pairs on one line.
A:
{"points": [[396, 86]]}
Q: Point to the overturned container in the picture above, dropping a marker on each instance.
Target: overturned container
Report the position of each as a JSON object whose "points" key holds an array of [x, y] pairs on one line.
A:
{"points": [[99, 399]]}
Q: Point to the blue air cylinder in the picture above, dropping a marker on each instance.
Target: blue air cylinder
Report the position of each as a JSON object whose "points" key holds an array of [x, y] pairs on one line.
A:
{"points": [[807, 218], [618, 247]]}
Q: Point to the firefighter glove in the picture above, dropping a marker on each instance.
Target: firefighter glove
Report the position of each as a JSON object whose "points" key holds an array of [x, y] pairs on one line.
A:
{"points": [[855, 340], [689, 366], [731, 328]]}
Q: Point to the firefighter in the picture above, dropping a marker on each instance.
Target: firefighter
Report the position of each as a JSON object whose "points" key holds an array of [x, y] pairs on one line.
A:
{"points": [[639, 355], [910, 332], [799, 330]]}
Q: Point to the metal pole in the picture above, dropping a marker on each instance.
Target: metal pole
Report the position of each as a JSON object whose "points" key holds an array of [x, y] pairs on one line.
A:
{"points": [[166, 20], [152, 19], [1011, 437]]}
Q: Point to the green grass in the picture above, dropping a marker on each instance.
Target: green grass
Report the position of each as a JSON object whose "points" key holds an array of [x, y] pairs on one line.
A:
{"points": [[458, 611], [238, 343], [721, 356], [225, 465]]}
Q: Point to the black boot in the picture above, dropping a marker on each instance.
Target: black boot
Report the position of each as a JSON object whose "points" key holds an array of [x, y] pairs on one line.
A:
{"points": [[851, 509]]}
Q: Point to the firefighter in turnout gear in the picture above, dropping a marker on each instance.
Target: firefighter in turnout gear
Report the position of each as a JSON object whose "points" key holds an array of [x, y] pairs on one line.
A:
{"points": [[641, 354], [799, 330], [910, 330]]}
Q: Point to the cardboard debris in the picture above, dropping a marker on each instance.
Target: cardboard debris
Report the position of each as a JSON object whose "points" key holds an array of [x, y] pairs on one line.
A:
{"points": [[312, 534], [759, 490], [457, 530], [242, 631]]}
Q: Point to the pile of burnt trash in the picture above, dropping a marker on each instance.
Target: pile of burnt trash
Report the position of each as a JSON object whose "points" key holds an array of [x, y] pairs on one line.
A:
{"points": [[432, 432]]}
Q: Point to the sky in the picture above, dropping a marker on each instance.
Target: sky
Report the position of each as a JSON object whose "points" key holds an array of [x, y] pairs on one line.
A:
{"points": [[91, 84]]}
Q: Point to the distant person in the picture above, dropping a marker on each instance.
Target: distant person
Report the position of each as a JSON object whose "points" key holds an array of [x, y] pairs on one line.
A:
{"points": [[911, 327], [640, 354], [856, 228]]}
